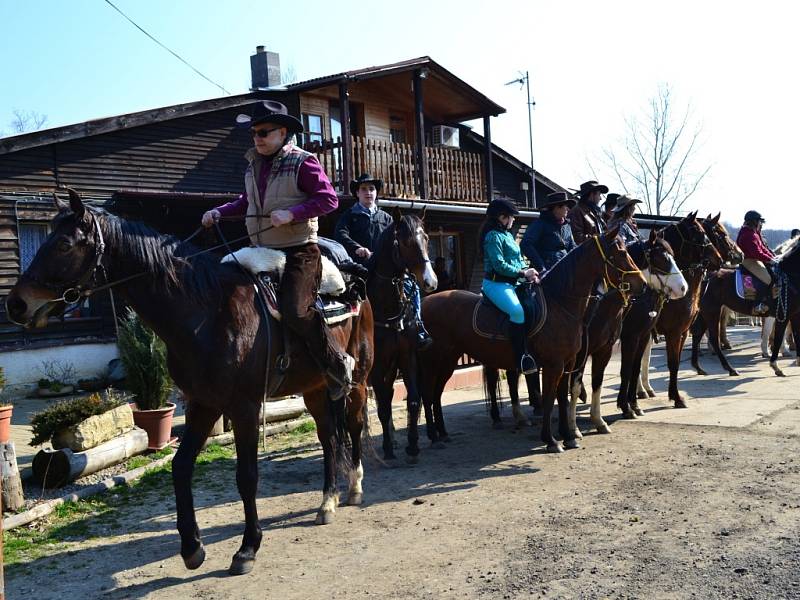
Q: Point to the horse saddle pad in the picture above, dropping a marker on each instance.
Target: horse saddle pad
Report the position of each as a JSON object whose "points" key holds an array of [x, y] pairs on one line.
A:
{"points": [[748, 286], [490, 322], [332, 310]]}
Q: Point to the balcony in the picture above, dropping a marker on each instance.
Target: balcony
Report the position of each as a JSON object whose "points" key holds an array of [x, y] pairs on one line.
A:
{"points": [[453, 175]]}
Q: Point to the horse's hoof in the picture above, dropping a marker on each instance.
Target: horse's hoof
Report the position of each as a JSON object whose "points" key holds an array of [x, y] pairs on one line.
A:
{"points": [[641, 395], [725, 346], [578, 435], [603, 428], [388, 455], [651, 394], [412, 459], [637, 411], [324, 517], [446, 439], [555, 448], [497, 425], [680, 403], [241, 565], [733, 373], [700, 371], [438, 445], [355, 499], [196, 559], [628, 414], [522, 423], [571, 444], [764, 355]]}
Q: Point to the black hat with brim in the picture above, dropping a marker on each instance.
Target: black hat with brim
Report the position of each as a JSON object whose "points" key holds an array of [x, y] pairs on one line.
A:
{"points": [[270, 111], [501, 206], [611, 199], [588, 187], [365, 178], [624, 202], [557, 199]]}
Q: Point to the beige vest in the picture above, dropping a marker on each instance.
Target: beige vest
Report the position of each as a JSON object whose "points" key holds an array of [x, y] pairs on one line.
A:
{"points": [[281, 193]]}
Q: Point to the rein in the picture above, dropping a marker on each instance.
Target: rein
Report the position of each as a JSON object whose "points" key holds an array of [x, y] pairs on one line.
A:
{"points": [[623, 288]]}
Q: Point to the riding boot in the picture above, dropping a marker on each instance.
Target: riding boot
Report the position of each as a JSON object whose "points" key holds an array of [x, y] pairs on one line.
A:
{"points": [[424, 339], [527, 364]]}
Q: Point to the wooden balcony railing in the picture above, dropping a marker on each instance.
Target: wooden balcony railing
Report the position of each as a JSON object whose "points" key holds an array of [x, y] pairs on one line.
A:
{"points": [[452, 174]]}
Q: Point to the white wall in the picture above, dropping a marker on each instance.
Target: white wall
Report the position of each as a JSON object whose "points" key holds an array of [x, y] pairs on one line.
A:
{"points": [[23, 367]]}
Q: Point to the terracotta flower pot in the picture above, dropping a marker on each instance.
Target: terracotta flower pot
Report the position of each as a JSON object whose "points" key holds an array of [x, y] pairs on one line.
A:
{"points": [[157, 423], [5, 423]]}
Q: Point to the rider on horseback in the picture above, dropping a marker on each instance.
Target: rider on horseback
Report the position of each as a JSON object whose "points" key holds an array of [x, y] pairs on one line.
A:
{"points": [[359, 231], [623, 216], [286, 189], [756, 254], [504, 267], [549, 239]]}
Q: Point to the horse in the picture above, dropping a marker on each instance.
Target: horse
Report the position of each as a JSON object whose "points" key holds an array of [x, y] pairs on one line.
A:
{"points": [[402, 249], [222, 350], [721, 292], [566, 289], [631, 322], [694, 254]]}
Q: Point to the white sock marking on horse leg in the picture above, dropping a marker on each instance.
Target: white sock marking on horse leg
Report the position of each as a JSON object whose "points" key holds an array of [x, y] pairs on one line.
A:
{"points": [[597, 417], [356, 477]]}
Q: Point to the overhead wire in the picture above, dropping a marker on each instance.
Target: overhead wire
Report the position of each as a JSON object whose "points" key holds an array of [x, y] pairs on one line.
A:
{"points": [[132, 22]]}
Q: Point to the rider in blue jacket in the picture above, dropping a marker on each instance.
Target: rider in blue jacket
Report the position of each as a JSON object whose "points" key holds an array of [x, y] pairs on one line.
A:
{"points": [[549, 239], [504, 269]]}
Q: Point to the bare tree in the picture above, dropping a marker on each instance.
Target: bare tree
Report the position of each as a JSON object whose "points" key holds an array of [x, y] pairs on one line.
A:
{"points": [[656, 161], [29, 120], [289, 75]]}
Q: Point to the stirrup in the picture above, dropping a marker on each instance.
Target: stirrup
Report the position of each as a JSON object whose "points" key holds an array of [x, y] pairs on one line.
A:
{"points": [[527, 365]]}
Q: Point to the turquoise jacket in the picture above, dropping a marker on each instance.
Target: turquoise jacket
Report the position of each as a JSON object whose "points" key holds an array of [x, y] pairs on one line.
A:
{"points": [[501, 254]]}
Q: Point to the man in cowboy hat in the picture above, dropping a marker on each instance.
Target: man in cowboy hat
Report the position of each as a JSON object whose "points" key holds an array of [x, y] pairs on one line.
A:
{"points": [[548, 239], [586, 219], [359, 230], [286, 189], [609, 205], [623, 216], [756, 255]]}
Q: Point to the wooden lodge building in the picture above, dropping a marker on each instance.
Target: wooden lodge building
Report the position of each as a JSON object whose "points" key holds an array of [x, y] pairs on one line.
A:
{"points": [[403, 122]]}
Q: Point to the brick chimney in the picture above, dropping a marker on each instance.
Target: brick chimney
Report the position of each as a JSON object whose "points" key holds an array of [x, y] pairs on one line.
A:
{"points": [[265, 68]]}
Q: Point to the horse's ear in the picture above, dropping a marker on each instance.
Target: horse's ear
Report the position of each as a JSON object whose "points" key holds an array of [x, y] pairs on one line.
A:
{"points": [[693, 216], [76, 204], [653, 235], [397, 216], [60, 204], [422, 214], [716, 219]]}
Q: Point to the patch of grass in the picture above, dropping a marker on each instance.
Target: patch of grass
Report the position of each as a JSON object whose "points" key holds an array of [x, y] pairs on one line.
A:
{"points": [[304, 428]]}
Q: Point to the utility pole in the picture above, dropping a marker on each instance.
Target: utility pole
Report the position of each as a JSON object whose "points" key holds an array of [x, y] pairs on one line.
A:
{"points": [[525, 79]]}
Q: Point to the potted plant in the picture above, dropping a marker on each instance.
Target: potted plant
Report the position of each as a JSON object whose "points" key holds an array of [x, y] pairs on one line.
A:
{"points": [[144, 357], [56, 378], [5, 413]]}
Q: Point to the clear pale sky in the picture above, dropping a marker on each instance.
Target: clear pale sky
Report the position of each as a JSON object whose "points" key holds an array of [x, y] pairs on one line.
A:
{"points": [[591, 64]]}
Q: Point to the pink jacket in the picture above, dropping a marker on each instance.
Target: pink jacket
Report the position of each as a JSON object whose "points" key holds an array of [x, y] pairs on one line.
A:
{"points": [[753, 245]]}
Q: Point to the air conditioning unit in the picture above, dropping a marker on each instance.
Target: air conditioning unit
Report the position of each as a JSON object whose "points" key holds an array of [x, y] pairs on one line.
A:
{"points": [[445, 136]]}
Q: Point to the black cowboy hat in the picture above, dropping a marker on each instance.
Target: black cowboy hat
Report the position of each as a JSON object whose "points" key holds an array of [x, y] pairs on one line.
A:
{"points": [[587, 187], [624, 202], [365, 178], [501, 206], [557, 198], [611, 199], [753, 215], [269, 111]]}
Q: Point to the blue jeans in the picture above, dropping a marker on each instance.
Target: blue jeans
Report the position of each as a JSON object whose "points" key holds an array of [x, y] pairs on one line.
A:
{"points": [[411, 289], [504, 297]]}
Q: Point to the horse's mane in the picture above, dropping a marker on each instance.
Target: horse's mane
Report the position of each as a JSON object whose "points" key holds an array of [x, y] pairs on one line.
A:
{"points": [[561, 277], [165, 257], [785, 247], [788, 256]]}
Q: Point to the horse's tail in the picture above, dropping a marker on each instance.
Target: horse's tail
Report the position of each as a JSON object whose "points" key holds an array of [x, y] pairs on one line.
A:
{"points": [[491, 386], [338, 410]]}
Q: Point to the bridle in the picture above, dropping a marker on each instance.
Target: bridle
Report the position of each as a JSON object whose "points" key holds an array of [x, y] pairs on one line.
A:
{"points": [[623, 287], [704, 261]]}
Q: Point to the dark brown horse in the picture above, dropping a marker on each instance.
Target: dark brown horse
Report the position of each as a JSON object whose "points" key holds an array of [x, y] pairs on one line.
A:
{"points": [[721, 291], [630, 322], [222, 350], [695, 255], [402, 252], [566, 287]]}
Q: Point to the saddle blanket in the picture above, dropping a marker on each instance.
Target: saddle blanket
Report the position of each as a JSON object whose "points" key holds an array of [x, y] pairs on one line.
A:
{"points": [[269, 260], [490, 322]]}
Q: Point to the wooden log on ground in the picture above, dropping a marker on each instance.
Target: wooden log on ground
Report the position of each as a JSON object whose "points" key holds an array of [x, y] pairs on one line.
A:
{"points": [[12, 497], [57, 468]]}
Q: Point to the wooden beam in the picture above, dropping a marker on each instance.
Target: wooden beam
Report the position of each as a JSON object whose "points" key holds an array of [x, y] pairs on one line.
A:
{"points": [[419, 128], [487, 161], [347, 140]]}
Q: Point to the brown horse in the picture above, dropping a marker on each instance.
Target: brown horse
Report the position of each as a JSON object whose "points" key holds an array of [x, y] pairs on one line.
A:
{"points": [[567, 288], [694, 255], [222, 349], [402, 252]]}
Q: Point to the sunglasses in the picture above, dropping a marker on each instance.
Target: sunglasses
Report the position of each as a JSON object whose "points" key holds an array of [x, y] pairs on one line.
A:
{"points": [[262, 133]]}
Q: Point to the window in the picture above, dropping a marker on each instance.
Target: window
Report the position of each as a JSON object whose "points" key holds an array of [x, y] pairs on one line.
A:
{"points": [[313, 126], [31, 236], [398, 131], [444, 250]]}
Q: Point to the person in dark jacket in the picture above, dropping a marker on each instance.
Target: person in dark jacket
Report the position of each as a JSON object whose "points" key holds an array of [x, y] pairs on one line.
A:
{"points": [[549, 238], [586, 219], [359, 231], [359, 228], [623, 216]]}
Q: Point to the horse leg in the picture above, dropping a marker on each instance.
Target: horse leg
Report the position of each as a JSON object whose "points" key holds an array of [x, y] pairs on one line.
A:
{"points": [[633, 375], [767, 335], [512, 378], [445, 370], [600, 361], [698, 329], [323, 411], [780, 330], [409, 370], [713, 336], [534, 393], [551, 376], [491, 382], [723, 328], [357, 415], [566, 425], [245, 429], [674, 347], [384, 392], [199, 420], [573, 390], [644, 389]]}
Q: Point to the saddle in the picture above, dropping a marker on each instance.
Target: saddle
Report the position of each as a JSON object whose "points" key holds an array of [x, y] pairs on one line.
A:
{"points": [[749, 287], [490, 322], [341, 292]]}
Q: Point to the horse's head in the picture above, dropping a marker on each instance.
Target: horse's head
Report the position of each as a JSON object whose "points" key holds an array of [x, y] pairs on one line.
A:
{"points": [[65, 262], [619, 270], [692, 247], [722, 241], [411, 250], [660, 269]]}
